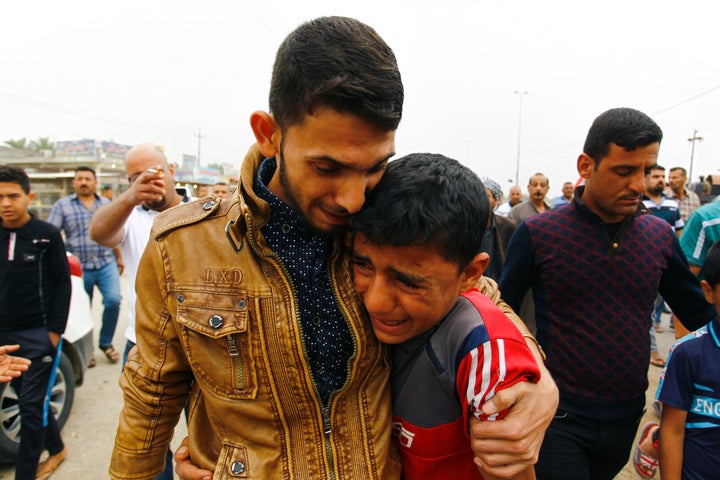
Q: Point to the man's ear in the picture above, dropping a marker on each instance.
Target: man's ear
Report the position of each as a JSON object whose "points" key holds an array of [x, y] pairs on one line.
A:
{"points": [[474, 270], [585, 165], [267, 133], [708, 291]]}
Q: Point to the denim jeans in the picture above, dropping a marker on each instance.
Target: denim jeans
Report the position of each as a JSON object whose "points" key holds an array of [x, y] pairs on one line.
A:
{"points": [[658, 309], [653, 340], [129, 344], [107, 280]]}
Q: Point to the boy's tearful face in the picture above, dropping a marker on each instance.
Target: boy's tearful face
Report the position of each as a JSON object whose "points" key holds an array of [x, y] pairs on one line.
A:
{"points": [[406, 290]]}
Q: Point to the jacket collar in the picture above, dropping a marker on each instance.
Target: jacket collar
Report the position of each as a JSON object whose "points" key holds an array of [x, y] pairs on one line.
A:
{"points": [[248, 200]]}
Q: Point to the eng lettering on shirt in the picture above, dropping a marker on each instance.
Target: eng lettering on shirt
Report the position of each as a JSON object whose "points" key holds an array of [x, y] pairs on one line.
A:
{"points": [[709, 407]]}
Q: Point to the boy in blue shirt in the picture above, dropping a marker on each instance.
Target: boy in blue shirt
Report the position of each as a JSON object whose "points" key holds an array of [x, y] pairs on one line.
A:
{"points": [[690, 393]]}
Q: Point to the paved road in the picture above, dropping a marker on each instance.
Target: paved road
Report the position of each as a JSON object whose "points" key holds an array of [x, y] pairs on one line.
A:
{"points": [[90, 430]]}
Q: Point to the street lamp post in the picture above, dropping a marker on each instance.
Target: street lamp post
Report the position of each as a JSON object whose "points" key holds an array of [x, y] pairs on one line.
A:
{"points": [[692, 141], [520, 94]]}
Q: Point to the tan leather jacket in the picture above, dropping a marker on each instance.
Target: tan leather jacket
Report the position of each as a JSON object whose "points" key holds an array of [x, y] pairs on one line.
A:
{"points": [[216, 306]]}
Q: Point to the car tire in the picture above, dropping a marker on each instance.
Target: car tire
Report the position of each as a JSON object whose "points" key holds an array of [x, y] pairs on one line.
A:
{"points": [[61, 401]]}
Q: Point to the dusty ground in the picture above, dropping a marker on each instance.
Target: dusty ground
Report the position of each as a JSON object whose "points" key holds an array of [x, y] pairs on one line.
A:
{"points": [[90, 430]]}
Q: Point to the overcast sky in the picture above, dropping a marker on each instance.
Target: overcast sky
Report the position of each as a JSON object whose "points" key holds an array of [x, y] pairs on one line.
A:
{"points": [[162, 71]]}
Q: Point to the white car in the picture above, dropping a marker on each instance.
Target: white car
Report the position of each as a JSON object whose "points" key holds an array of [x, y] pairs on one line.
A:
{"points": [[77, 350]]}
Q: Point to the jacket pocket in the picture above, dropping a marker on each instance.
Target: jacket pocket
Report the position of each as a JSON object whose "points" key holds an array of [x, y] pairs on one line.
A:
{"points": [[215, 331], [232, 463]]}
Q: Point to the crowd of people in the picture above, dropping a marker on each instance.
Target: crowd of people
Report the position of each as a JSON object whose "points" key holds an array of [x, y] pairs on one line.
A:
{"points": [[349, 311]]}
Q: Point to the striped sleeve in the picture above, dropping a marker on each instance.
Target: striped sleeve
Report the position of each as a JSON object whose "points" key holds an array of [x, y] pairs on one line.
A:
{"points": [[490, 367]]}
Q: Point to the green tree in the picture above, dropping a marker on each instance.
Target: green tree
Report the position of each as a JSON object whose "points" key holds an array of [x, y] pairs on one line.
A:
{"points": [[42, 144], [20, 143]]}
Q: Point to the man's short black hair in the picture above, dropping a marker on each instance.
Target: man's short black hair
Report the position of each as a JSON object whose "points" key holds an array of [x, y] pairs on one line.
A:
{"points": [[711, 268], [337, 62], [427, 199], [85, 168], [627, 128], [10, 174]]}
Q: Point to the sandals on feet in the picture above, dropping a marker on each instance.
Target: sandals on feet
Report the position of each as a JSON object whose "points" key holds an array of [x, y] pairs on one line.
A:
{"points": [[110, 353], [645, 465], [657, 362]]}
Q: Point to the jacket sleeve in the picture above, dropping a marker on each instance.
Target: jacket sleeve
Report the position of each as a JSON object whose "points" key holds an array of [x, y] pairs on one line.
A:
{"points": [[61, 285], [681, 289], [156, 380], [489, 288]]}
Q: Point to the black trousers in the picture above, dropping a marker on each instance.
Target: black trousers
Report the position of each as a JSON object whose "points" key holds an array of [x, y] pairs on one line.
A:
{"points": [[31, 388], [580, 448]]}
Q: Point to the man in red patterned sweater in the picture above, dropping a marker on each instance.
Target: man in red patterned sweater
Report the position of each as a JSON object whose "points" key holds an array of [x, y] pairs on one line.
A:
{"points": [[595, 267]]}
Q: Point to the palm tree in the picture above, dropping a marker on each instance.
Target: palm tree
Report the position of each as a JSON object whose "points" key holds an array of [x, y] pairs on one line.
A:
{"points": [[42, 144], [20, 143]]}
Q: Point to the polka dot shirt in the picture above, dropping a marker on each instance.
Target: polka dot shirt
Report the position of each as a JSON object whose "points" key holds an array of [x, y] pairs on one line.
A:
{"points": [[306, 255]]}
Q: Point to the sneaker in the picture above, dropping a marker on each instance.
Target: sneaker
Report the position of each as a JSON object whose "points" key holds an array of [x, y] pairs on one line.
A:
{"points": [[645, 464]]}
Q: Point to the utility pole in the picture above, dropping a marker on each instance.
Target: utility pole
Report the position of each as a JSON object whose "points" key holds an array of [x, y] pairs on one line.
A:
{"points": [[692, 141], [520, 94], [199, 136]]}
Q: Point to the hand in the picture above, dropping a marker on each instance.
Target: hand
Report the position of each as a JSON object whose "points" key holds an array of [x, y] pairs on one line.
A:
{"points": [[148, 187], [184, 468], [120, 265], [54, 338], [11, 367], [507, 446]]}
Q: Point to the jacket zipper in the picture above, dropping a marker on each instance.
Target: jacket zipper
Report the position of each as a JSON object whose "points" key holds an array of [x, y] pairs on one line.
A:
{"points": [[40, 287], [325, 410], [234, 352]]}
